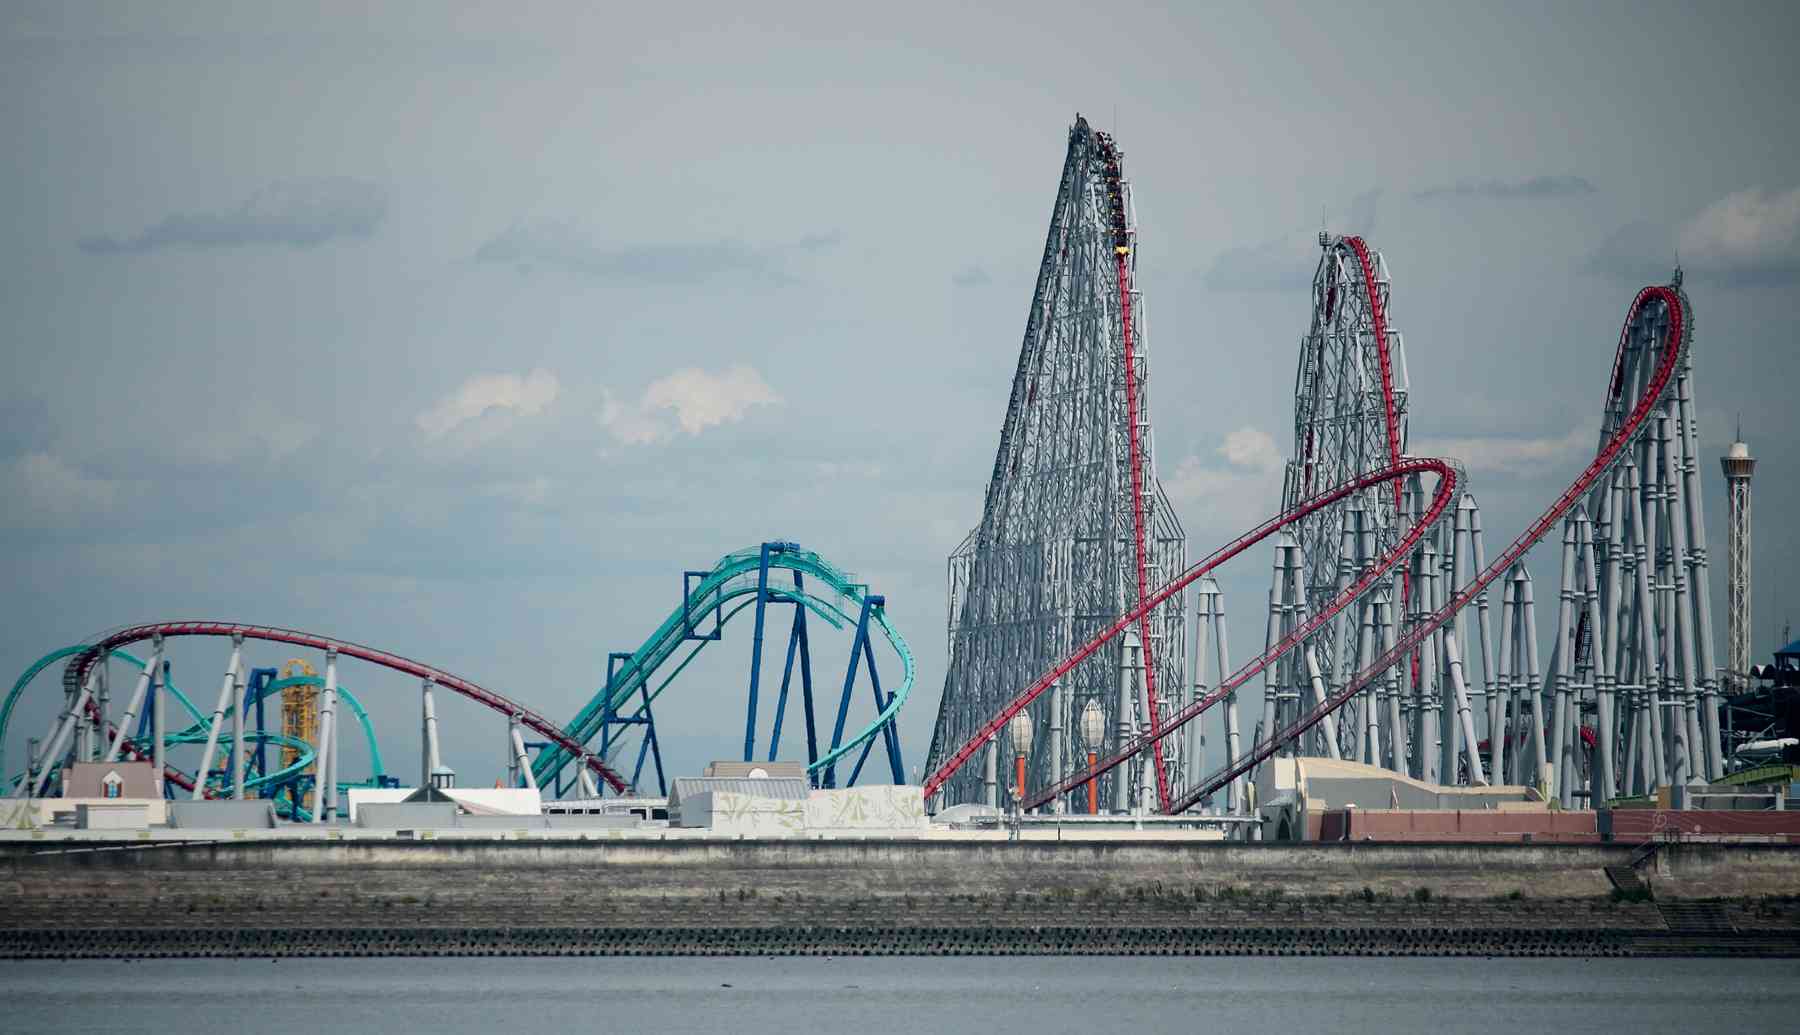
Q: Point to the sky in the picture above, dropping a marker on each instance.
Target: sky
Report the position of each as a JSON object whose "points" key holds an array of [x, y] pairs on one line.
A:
{"points": [[462, 330]]}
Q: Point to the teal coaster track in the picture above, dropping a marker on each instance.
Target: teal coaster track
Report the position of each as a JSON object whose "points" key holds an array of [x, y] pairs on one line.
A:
{"points": [[709, 600], [761, 578]]}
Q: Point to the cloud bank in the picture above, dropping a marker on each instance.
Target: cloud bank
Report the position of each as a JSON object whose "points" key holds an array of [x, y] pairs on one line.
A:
{"points": [[293, 214], [1515, 455], [1747, 238], [1750, 235], [1537, 188], [569, 248]]}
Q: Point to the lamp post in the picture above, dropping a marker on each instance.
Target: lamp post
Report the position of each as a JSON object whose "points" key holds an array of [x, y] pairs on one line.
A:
{"points": [[1018, 733], [1093, 730]]}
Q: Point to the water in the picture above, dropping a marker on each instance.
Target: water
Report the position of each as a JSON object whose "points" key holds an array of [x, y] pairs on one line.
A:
{"points": [[891, 996]]}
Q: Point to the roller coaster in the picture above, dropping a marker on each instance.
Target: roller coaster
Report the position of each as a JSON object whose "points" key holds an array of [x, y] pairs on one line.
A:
{"points": [[1375, 580], [1069, 600], [235, 736]]}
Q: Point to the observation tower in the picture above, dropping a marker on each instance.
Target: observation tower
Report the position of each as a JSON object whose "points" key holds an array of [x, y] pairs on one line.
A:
{"points": [[1738, 465]]}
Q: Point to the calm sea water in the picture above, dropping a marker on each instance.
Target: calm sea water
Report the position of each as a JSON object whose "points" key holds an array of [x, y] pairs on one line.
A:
{"points": [[864, 996]]}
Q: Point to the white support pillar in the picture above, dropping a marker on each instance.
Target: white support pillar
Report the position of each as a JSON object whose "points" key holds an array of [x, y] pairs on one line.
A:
{"points": [[426, 721], [1236, 795], [1693, 758], [1327, 725], [1428, 721], [323, 797], [990, 766], [102, 705], [218, 718], [159, 721], [521, 760], [1127, 706], [1465, 718], [1342, 626], [514, 748], [1601, 626], [1564, 677], [135, 702], [47, 763], [1196, 761], [1484, 642], [237, 736], [1528, 632], [1368, 640], [1386, 624], [31, 767], [1502, 727], [431, 761]]}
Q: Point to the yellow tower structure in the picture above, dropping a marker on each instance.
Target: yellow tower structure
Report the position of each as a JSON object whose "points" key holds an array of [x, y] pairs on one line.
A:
{"points": [[299, 714]]}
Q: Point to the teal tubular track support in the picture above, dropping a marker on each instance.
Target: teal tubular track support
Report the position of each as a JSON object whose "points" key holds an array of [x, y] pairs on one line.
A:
{"points": [[762, 600], [890, 738], [740, 580], [856, 656], [796, 640]]}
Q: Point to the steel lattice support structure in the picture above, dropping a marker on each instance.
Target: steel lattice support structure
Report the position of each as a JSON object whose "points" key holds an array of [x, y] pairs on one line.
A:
{"points": [[1627, 699], [1381, 588], [1075, 528], [1350, 400]]}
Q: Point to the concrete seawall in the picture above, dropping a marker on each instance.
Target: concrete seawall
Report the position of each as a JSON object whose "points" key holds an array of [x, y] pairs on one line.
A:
{"points": [[852, 897]]}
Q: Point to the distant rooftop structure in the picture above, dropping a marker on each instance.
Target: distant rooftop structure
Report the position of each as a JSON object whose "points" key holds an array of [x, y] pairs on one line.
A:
{"points": [[756, 770], [782, 788]]}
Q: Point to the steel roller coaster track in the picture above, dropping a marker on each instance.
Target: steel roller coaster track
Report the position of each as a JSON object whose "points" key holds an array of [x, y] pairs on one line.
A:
{"points": [[196, 732], [738, 579], [394, 662], [1657, 392]]}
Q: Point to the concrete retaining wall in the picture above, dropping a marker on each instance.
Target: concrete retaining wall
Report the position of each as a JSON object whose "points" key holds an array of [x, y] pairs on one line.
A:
{"points": [[831, 897]]}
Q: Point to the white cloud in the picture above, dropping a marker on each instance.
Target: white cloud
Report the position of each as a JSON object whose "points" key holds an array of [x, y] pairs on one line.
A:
{"points": [[1218, 500], [1749, 237], [1252, 449], [689, 400], [503, 394], [1502, 454], [1750, 233]]}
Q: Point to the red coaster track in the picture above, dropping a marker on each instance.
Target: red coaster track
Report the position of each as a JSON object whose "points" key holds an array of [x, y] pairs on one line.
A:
{"points": [[473, 691], [1448, 487]]}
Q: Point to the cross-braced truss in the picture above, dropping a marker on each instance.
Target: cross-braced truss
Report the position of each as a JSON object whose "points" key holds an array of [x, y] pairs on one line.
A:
{"points": [[1075, 524]]}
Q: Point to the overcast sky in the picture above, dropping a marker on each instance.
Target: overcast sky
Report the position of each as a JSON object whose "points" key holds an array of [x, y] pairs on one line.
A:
{"points": [[462, 331]]}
